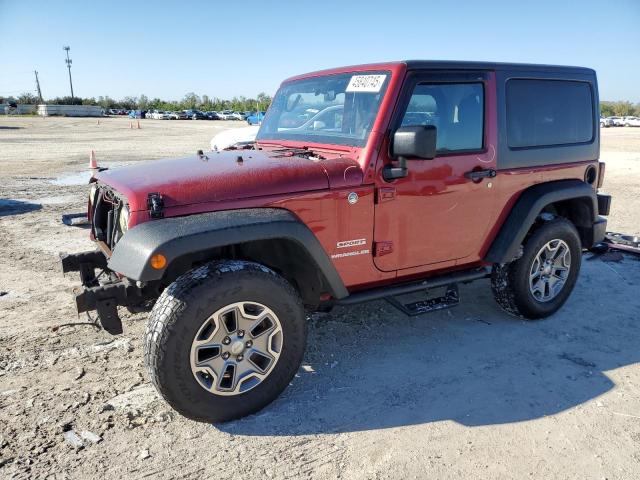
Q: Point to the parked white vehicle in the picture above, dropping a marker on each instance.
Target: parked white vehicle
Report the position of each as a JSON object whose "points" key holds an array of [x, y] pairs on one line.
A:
{"points": [[237, 116], [177, 115], [631, 122], [226, 115], [606, 122], [234, 138], [617, 121]]}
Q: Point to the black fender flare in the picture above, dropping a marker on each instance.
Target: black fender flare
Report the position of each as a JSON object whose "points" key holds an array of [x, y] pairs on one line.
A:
{"points": [[182, 236], [529, 205]]}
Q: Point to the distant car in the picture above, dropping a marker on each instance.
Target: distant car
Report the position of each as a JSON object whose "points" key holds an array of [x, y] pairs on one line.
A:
{"points": [[154, 114], [136, 114], [631, 122], [195, 115], [255, 118], [212, 115], [238, 116], [606, 122], [226, 115], [177, 116], [617, 121], [234, 138]]}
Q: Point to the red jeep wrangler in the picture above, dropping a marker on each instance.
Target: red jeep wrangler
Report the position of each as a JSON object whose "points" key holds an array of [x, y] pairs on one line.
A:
{"points": [[364, 182]]}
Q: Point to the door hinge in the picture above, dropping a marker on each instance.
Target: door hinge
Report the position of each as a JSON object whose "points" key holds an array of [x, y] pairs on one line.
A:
{"points": [[385, 194], [382, 248]]}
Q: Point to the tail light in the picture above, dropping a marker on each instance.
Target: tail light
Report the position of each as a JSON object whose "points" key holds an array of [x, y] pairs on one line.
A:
{"points": [[601, 169]]}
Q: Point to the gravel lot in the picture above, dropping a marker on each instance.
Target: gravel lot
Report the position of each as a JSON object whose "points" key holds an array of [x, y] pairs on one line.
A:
{"points": [[463, 393]]}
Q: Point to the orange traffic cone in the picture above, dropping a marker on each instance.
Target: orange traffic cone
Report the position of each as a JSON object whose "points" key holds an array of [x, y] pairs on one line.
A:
{"points": [[97, 122], [93, 163], [138, 124], [130, 124]]}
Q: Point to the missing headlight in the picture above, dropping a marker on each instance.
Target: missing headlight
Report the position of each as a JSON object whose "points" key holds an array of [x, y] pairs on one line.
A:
{"points": [[124, 218], [92, 193]]}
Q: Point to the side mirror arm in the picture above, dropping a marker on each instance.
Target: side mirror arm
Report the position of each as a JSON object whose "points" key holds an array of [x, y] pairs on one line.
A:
{"points": [[389, 172]]}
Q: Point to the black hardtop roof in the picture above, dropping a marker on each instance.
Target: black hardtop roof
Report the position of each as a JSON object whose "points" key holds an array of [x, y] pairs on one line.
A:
{"points": [[460, 64]]}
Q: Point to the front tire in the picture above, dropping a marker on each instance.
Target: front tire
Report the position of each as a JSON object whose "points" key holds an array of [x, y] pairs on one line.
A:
{"points": [[538, 283], [224, 340]]}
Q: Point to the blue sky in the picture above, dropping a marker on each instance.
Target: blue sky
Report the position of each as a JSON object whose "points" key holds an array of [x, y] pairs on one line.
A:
{"points": [[168, 48]]}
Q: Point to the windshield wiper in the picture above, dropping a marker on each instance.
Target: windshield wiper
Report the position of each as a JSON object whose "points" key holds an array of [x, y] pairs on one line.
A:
{"points": [[304, 152]]}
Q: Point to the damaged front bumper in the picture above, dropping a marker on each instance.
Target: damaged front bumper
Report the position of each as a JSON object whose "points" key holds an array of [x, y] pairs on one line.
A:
{"points": [[103, 296]]}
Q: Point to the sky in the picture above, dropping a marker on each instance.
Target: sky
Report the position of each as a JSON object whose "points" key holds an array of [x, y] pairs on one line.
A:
{"points": [[223, 49]]}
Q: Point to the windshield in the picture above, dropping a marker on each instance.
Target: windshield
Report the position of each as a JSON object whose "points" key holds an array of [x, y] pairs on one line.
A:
{"points": [[337, 109]]}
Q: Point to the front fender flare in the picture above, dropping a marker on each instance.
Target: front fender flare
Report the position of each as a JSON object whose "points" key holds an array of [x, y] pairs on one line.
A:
{"points": [[181, 236]]}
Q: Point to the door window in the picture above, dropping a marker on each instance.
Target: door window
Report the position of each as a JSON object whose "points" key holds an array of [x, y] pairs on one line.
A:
{"points": [[455, 109]]}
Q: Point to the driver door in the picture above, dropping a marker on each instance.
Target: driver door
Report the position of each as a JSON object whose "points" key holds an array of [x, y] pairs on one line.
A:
{"points": [[436, 217]]}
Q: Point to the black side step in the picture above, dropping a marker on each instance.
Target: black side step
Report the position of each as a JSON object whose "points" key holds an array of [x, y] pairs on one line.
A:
{"points": [[440, 281], [428, 303]]}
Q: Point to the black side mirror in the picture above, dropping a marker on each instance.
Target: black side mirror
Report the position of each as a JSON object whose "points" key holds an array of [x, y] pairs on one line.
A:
{"points": [[410, 142], [415, 142]]}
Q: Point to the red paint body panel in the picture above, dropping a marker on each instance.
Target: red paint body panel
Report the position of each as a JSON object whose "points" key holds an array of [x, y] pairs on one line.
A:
{"points": [[332, 219], [190, 180]]}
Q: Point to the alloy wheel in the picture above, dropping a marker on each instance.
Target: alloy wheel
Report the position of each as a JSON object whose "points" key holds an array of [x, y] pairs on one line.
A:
{"points": [[236, 348], [550, 270]]}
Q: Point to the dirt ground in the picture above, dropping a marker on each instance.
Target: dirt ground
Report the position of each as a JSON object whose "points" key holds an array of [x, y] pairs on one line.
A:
{"points": [[464, 393]]}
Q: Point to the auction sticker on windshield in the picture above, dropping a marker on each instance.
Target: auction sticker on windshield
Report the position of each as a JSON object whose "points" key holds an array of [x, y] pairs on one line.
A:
{"points": [[366, 83]]}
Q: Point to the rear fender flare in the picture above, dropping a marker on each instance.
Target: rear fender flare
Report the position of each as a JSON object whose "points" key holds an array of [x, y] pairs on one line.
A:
{"points": [[529, 205]]}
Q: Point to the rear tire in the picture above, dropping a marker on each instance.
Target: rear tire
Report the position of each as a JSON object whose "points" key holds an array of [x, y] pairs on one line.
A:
{"points": [[538, 283], [216, 380]]}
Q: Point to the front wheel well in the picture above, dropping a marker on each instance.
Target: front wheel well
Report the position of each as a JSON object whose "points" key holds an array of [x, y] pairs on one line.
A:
{"points": [[284, 256]]}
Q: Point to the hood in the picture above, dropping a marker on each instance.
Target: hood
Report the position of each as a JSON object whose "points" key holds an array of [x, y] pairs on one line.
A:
{"points": [[216, 176]]}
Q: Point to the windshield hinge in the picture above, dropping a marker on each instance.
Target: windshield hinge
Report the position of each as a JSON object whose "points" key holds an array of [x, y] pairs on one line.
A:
{"points": [[155, 204]]}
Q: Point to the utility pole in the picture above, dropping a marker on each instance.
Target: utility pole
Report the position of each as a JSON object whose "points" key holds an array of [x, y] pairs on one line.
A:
{"points": [[68, 62], [38, 85]]}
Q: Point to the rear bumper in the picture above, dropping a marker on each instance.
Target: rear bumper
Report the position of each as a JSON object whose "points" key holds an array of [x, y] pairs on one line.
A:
{"points": [[600, 224], [604, 204], [103, 297], [599, 230]]}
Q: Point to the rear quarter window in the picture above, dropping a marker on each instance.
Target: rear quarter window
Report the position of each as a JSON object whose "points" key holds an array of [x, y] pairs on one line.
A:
{"points": [[544, 113]]}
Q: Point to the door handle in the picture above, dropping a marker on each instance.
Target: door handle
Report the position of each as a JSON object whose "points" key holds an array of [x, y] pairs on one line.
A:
{"points": [[477, 175]]}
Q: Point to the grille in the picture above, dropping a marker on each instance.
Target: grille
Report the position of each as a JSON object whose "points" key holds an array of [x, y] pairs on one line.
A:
{"points": [[105, 212]]}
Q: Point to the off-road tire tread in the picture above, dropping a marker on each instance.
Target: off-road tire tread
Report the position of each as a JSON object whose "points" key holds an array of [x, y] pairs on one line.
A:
{"points": [[174, 300], [503, 276]]}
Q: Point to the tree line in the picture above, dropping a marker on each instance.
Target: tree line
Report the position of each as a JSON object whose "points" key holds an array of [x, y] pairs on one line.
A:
{"points": [[203, 102], [619, 109], [190, 101]]}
